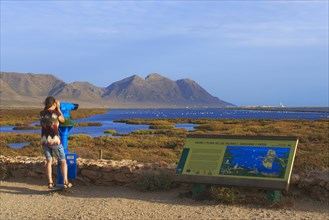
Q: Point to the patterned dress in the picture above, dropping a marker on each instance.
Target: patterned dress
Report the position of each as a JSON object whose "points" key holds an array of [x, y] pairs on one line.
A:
{"points": [[49, 132]]}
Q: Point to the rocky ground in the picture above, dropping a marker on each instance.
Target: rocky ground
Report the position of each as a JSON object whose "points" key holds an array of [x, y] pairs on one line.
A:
{"points": [[30, 199]]}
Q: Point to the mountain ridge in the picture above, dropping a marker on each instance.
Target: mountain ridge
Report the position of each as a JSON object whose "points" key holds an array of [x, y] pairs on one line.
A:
{"points": [[153, 91]]}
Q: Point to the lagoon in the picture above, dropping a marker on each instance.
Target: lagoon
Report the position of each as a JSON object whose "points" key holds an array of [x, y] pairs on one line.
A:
{"points": [[108, 119]]}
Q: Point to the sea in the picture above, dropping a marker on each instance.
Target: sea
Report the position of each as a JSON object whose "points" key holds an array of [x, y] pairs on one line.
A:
{"points": [[108, 119]]}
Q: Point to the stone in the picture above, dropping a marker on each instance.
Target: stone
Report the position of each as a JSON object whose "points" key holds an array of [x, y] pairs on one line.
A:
{"points": [[106, 183], [107, 168], [33, 174], [108, 177], [80, 180], [113, 163], [139, 172], [322, 184], [172, 166], [319, 193], [148, 166], [122, 178], [307, 182], [86, 180], [99, 166], [91, 174], [99, 182], [327, 186], [294, 179], [139, 166], [163, 164], [39, 169], [11, 166], [92, 167], [18, 172], [80, 166], [126, 169]]}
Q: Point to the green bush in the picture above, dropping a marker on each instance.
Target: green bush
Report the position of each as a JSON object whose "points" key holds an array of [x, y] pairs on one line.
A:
{"points": [[150, 181], [224, 194], [3, 172]]}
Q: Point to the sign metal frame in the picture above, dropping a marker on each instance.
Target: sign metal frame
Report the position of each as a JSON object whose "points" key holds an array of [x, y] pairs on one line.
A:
{"points": [[241, 161]]}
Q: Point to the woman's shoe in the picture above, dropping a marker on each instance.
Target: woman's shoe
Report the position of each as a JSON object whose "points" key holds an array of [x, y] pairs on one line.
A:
{"points": [[67, 185], [51, 185]]}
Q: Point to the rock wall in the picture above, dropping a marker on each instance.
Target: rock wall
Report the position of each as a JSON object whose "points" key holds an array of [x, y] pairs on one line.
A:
{"points": [[98, 172], [125, 172]]}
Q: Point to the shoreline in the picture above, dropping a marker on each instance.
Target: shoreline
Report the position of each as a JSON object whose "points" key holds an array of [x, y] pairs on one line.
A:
{"points": [[320, 109]]}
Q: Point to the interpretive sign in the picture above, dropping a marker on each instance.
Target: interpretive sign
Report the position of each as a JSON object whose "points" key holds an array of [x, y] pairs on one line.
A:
{"points": [[255, 161]]}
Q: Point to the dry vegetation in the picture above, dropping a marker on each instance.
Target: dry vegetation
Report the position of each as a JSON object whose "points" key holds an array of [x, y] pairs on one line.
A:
{"points": [[19, 117], [166, 144], [313, 148]]}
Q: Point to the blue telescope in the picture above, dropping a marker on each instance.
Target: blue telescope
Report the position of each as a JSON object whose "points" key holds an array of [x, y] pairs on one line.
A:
{"points": [[67, 107], [64, 128]]}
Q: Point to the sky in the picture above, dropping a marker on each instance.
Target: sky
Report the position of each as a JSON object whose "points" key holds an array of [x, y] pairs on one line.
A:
{"points": [[243, 52]]}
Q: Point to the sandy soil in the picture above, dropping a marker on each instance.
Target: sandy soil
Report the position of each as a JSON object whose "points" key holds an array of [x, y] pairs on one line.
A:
{"points": [[32, 200]]}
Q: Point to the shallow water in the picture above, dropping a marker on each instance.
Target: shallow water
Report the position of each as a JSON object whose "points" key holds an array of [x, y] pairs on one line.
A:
{"points": [[108, 119], [18, 145]]}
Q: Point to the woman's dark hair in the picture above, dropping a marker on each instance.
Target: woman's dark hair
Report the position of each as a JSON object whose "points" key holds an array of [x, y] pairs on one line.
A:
{"points": [[49, 102]]}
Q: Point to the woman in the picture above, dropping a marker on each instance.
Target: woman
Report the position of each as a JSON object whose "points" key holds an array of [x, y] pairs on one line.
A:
{"points": [[51, 142]]}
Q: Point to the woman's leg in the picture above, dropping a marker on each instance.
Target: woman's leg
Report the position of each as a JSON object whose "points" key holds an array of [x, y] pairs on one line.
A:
{"points": [[64, 171], [49, 161], [59, 150], [49, 171]]}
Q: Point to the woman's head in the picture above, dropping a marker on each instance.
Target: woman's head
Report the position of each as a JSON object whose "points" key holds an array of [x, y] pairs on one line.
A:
{"points": [[49, 102]]}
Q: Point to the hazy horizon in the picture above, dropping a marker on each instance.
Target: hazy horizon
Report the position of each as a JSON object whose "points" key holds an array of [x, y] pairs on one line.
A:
{"points": [[254, 53]]}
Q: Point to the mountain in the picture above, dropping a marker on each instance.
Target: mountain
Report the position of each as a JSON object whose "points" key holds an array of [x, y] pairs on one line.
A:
{"points": [[155, 91], [31, 84], [79, 91], [161, 91]]}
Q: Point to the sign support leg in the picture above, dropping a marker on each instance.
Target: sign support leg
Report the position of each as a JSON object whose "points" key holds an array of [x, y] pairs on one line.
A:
{"points": [[273, 195], [198, 190]]}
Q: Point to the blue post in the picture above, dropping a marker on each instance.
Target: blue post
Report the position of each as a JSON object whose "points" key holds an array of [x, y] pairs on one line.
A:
{"points": [[64, 133]]}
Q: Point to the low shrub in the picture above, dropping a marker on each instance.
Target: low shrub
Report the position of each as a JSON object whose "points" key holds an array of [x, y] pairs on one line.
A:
{"points": [[85, 113], [166, 144], [86, 124], [111, 131], [150, 181], [171, 132], [26, 127], [162, 126], [19, 117], [224, 194], [3, 172], [85, 137]]}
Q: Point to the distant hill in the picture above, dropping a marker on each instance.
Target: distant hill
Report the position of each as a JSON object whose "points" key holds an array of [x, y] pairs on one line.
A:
{"points": [[155, 91]]}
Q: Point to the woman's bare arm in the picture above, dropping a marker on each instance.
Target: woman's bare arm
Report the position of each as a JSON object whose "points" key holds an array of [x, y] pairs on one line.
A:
{"points": [[61, 118]]}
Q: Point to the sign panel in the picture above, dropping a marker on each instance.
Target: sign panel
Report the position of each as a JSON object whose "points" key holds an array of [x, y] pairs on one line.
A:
{"points": [[243, 157]]}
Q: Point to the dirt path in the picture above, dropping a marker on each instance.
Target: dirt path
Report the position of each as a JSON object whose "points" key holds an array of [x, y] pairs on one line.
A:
{"points": [[32, 200]]}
